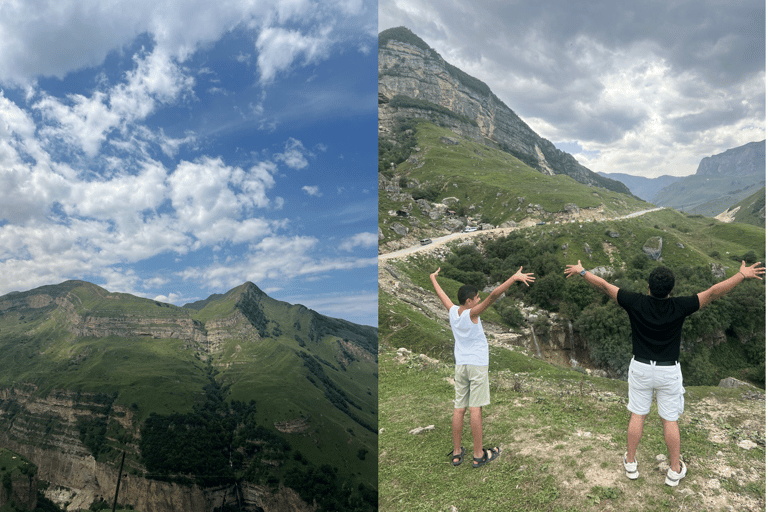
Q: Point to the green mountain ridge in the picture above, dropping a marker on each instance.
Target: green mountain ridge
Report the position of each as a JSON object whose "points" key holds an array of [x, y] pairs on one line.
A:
{"points": [[125, 359]]}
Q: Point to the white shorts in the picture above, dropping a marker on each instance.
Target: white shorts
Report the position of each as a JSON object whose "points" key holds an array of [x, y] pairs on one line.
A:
{"points": [[667, 381]]}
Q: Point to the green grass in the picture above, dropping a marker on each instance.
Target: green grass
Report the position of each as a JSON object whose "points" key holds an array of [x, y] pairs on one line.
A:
{"points": [[493, 181], [562, 435]]}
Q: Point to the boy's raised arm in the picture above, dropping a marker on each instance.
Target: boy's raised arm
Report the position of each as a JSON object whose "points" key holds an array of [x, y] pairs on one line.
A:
{"points": [[499, 290], [440, 293]]}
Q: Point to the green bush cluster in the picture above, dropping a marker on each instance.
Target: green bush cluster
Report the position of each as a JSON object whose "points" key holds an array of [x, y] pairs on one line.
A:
{"points": [[398, 147], [322, 486], [211, 443]]}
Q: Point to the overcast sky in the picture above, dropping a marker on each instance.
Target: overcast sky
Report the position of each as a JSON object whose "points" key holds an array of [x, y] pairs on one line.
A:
{"points": [[178, 148], [636, 87]]}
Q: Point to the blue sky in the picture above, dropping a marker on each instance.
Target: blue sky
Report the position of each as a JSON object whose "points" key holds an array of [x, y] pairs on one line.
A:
{"points": [[177, 149]]}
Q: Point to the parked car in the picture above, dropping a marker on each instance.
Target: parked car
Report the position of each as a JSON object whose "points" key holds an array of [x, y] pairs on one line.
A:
{"points": [[470, 229], [426, 241]]}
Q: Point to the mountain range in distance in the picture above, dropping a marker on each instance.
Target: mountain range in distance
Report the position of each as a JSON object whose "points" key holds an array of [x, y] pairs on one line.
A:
{"points": [[720, 182]]}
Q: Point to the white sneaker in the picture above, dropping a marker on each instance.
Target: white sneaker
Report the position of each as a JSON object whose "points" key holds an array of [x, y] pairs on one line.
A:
{"points": [[674, 478], [631, 468]]}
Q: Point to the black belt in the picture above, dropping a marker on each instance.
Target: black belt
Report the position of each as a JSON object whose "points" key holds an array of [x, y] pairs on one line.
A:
{"points": [[658, 363]]}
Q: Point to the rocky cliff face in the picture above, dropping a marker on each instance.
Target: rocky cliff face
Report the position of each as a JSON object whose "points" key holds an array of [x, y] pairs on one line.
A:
{"points": [[742, 161], [61, 458], [415, 81]]}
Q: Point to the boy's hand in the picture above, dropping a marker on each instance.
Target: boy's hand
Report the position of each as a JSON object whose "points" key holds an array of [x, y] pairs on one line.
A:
{"points": [[572, 270], [524, 278], [434, 274]]}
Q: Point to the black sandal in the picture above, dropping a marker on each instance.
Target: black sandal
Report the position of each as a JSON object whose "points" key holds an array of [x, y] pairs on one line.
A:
{"points": [[459, 456], [481, 461]]}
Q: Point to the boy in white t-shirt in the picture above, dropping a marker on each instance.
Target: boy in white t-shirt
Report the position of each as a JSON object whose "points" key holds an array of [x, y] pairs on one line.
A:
{"points": [[471, 354]]}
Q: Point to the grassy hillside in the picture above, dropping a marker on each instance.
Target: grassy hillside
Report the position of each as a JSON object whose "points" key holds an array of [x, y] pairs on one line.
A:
{"points": [[751, 209], [488, 183], [292, 363], [563, 435]]}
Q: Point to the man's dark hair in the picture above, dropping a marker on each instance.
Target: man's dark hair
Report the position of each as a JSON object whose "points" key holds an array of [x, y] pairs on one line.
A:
{"points": [[466, 292], [661, 281]]}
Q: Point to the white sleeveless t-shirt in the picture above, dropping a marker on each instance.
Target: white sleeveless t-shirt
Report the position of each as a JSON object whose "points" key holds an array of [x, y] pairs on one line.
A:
{"points": [[471, 345]]}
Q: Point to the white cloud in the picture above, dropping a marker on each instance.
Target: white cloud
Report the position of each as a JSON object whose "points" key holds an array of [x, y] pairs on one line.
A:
{"points": [[293, 156], [209, 196], [279, 48], [312, 190], [365, 240], [86, 122]]}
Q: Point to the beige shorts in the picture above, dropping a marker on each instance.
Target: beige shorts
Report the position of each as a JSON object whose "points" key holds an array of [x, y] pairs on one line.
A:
{"points": [[472, 387]]}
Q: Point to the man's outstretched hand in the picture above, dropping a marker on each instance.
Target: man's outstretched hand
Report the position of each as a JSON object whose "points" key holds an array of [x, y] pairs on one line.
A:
{"points": [[752, 271]]}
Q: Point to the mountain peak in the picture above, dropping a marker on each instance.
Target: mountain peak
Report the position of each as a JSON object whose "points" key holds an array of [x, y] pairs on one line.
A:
{"points": [[416, 82], [741, 161]]}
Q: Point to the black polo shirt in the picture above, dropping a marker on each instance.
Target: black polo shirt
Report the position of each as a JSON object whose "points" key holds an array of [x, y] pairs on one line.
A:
{"points": [[657, 324]]}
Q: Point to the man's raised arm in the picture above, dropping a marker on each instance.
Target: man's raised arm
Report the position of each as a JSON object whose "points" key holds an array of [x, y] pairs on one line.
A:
{"points": [[597, 282], [723, 287]]}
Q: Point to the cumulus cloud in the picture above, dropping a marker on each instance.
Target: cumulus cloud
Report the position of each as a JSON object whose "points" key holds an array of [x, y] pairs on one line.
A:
{"points": [[279, 48], [312, 190], [365, 240], [294, 155]]}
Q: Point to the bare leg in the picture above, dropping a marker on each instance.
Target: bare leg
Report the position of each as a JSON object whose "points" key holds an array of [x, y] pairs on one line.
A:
{"points": [[634, 433], [458, 426], [476, 422], [672, 438]]}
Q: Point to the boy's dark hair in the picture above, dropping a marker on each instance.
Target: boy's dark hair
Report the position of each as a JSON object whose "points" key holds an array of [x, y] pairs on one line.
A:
{"points": [[661, 281], [466, 292]]}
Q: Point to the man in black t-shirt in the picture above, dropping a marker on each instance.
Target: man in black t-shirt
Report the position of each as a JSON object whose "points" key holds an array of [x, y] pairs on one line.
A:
{"points": [[657, 322]]}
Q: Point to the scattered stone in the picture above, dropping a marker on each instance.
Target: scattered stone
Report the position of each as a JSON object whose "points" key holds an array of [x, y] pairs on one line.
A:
{"points": [[718, 271], [653, 247], [399, 229], [449, 141], [613, 234], [679, 245], [730, 382], [572, 209], [450, 201], [746, 444], [428, 360], [419, 430], [381, 431], [661, 457]]}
